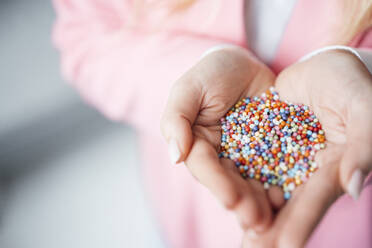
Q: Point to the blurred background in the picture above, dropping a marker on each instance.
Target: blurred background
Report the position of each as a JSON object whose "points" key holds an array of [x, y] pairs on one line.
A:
{"points": [[68, 177]]}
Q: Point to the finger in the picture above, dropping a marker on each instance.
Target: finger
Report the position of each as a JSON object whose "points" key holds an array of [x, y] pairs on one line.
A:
{"points": [[308, 204], [204, 165], [308, 207], [357, 159], [275, 195], [181, 110], [269, 238], [264, 203], [263, 218], [252, 208], [228, 187]]}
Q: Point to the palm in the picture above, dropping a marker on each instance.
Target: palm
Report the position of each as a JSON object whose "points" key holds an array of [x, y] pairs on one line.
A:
{"points": [[335, 88]]}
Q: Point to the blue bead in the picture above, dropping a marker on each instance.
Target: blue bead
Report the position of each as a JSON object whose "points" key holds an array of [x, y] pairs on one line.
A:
{"points": [[287, 195]]}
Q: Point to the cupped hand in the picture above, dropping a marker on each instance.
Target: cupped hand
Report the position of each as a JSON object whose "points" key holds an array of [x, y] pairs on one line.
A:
{"points": [[191, 126], [338, 88]]}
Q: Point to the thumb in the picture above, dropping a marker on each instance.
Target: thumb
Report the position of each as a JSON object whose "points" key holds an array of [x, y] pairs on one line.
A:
{"points": [[356, 162], [355, 166], [180, 113]]}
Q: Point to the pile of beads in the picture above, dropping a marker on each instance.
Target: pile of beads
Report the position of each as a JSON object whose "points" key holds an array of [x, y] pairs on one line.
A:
{"points": [[272, 141]]}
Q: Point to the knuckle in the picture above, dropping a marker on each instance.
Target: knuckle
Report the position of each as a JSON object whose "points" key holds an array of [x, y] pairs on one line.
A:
{"points": [[232, 200]]}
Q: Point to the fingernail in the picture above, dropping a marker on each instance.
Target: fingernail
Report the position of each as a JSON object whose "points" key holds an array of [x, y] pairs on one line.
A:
{"points": [[355, 184], [252, 234], [174, 151]]}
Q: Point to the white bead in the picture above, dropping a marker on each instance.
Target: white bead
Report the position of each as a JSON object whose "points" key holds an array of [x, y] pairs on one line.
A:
{"points": [[291, 186]]}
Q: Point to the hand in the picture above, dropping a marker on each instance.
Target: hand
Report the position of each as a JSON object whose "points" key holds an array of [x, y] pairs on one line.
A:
{"points": [[191, 126], [338, 88]]}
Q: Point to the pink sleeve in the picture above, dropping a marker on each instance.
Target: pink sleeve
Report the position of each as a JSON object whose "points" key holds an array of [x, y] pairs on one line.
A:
{"points": [[364, 49], [114, 67]]}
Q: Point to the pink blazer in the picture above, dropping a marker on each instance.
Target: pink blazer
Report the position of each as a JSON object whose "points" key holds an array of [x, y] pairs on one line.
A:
{"points": [[126, 73]]}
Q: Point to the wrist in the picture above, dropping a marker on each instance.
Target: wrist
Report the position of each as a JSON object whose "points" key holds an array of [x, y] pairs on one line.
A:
{"points": [[360, 57], [332, 49]]}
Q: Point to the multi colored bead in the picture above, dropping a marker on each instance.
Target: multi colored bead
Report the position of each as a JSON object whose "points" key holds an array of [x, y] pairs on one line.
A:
{"points": [[272, 141]]}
